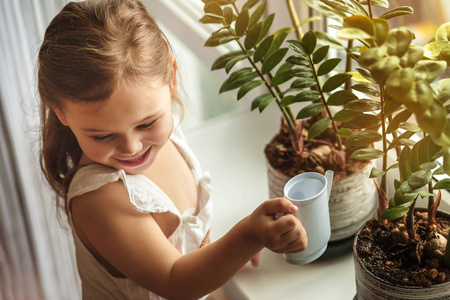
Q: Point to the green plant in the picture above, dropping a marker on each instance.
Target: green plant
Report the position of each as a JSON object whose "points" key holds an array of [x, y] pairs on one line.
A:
{"points": [[404, 96]]}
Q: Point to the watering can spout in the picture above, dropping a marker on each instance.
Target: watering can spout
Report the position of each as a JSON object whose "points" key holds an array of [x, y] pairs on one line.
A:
{"points": [[329, 176]]}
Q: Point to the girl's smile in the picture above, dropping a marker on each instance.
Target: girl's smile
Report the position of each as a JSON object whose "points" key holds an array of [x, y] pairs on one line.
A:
{"points": [[137, 161]]}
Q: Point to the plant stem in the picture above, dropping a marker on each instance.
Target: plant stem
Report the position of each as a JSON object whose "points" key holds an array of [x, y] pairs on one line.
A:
{"points": [[295, 20], [410, 220], [369, 5], [383, 133], [348, 64]]}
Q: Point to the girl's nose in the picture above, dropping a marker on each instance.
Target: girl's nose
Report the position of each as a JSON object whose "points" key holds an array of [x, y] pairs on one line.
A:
{"points": [[130, 145]]}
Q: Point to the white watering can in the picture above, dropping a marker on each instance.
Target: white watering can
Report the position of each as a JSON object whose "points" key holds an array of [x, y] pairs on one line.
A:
{"points": [[310, 192]]}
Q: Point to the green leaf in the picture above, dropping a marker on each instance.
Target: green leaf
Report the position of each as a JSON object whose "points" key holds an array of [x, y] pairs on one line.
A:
{"points": [[234, 61], [281, 77], [273, 60], [382, 28], [335, 81], [257, 14], [310, 110], [238, 78], [262, 101], [228, 14], [242, 22], [343, 115], [310, 41], [211, 19], [353, 33], [403, 116], [429, 70], [367, 154], [398, 41], [320, 54], [341, 97], [399, 83], [360, 22], [344, 132], [419, 179], [428, 166], [360, 121], [433, 50], [328, 66], [278, 40], [410, 126], [247, 87], [398, 11], [383, 68], [404, 135], [213, 8], [434, 119], [394, 213], [286, 100], [414, 158], [298, 60], [365, 74], [327, 39], [391, 107], [439, 171], [441, 90], [443, 184], [371, 56], [366, 89], [302, 83], [412, 56], [220, 38], [222, 60], [403, 163], [307, 95], [247, 5], [374, 173], [266, 25], [303, 72], [252, 36], [318, 127], [363, 105], [363, 138], [263, 48], [405, 194]]}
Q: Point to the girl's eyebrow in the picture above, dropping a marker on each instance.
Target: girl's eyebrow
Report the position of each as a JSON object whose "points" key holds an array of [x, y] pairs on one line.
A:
{"points": [[101, 130]]}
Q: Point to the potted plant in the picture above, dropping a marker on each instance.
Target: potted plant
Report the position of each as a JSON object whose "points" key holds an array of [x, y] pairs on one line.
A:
{"points": [[298, 71], [403, 252]]}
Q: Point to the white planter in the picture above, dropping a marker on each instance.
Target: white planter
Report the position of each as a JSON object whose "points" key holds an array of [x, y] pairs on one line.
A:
{"points": [[353, 200]]}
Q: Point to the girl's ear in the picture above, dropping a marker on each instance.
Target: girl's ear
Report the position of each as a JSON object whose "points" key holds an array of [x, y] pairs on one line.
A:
{"points": [[61, 117], [173, 84]]}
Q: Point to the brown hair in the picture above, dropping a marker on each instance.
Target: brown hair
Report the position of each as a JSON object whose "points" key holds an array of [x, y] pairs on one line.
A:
{"points": [[89, 49]]}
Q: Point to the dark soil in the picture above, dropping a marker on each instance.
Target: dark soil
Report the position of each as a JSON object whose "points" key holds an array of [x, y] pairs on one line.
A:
{"points": [[402, 263], [281, 155]]}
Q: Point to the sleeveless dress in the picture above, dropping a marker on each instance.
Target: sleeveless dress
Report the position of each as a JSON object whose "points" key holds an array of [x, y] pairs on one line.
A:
{"points": [[146, 197]]}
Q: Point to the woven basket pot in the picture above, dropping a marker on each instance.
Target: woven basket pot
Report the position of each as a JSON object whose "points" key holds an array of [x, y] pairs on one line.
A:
{"points": [[353, 200], [371, 287]]}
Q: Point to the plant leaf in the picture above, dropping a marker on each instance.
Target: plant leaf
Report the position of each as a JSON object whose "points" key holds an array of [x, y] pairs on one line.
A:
{"points": [[443, 184], [403, 116], [273, 60], [222, 60], [363, 138], [344, 132], [257, 14], [232, 62], [341, 97], [374, 173], [361, 121], [242, 22], [343, 115], [327, 39], [247, 87], [363, 105], [263, 48], [310, 110], [367, 154], [429, 70], [327, 66], [394, 213], [307, 95], [403, 163], [302, 83], [252, 36], [238, 78], [286, 100], [366, 89], [419, 179], [297, 46], [262, 101], [320, 54], [335, 81], [398, 11], [318, 127], [310, 41]]}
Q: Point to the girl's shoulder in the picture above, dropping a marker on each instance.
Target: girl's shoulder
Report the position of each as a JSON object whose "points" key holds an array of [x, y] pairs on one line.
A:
{"points": [[107, 184]]}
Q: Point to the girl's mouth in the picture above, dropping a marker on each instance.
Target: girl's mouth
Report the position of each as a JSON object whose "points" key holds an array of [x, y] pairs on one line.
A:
{"points": [[135, 162]]}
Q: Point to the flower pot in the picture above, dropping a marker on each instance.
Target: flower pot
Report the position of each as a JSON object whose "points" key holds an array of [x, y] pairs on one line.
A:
{"points": [[353, 200], [371, 287]]}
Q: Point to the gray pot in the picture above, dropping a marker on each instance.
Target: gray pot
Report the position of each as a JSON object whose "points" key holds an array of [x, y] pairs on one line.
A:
{"points": [[353, 200], [371, 287]]}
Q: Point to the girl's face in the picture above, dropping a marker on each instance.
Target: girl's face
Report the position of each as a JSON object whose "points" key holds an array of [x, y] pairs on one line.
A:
{"points": [[127, 130]]}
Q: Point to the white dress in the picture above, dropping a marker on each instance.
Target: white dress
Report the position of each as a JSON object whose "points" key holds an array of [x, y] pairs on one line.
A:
{"points": [[146, 197]]}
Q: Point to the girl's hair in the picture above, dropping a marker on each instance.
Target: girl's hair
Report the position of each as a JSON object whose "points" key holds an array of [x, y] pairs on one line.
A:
{"points": [[90, 49]]}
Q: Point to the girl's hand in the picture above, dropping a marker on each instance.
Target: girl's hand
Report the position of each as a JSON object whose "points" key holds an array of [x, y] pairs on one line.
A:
{"points": [[283, 235]]}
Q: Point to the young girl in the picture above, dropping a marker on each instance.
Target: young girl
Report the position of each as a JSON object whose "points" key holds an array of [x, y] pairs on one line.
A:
{"points": [[137, 200]]}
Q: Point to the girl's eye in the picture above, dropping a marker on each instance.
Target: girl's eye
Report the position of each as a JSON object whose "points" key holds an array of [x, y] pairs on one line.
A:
{"points": [[147, 125], [102, 138]]}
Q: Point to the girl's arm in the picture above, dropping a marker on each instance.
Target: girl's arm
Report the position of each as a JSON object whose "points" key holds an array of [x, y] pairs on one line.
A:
{"points": [[136, 246]]}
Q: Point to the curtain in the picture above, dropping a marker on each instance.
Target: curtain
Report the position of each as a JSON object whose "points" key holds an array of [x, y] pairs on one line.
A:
{"points": [[36, 252]]}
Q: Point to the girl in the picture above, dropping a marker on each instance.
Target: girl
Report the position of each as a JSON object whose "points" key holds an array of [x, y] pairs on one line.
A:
{"points": [[137, 200]]}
